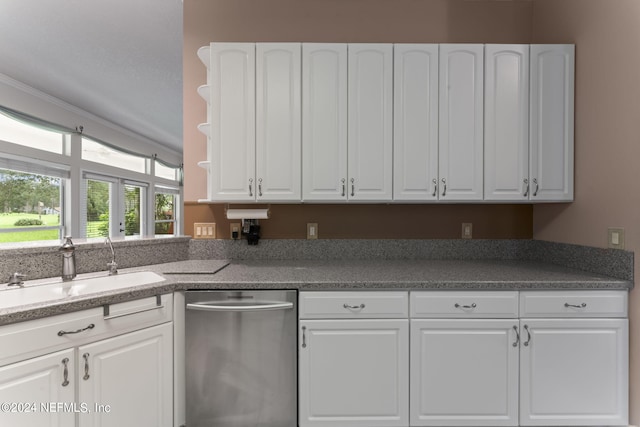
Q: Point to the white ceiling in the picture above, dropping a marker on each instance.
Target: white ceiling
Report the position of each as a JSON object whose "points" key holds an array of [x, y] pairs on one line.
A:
{"points": [[118, 59]]}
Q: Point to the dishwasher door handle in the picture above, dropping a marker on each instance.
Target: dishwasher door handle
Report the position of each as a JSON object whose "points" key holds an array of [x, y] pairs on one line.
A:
{"points": [[256, 306]]}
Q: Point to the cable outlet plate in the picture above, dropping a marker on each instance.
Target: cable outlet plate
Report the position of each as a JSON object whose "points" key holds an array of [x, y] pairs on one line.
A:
{"points": [[615, 238], [204, 230], [312, 230], [467, 230]]}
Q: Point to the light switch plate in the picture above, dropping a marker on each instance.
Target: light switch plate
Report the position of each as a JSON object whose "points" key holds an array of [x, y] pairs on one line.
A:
{"points": [[204, 230], [615, 238]]}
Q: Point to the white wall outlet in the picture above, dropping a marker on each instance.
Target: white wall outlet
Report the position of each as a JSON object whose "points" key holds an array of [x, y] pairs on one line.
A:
{"points": [[312, 230], [467, 230], [615, 238]]}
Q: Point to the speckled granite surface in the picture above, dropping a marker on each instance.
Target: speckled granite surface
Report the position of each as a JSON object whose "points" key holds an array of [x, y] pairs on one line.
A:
{"points": [[325, 265], [331, 275]]}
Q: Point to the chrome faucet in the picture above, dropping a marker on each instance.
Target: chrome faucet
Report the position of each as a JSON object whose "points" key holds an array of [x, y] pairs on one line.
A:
{"points": [[16, 280], [111, 266], [68, 250]]}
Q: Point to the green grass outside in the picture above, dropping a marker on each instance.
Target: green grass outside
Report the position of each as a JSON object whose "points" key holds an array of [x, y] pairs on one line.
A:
{"points": [[7, 220]]}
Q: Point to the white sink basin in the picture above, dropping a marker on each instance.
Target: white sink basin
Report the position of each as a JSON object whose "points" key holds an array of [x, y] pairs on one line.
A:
{"points": [[52, 291]]}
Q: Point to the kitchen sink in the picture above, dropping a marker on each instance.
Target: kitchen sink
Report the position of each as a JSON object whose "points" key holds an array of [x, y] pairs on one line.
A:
{"points": [[57, 290]]}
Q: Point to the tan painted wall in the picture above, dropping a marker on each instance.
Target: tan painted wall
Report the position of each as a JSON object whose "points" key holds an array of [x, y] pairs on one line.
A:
{"points": [[438, 21], [607, 135]]}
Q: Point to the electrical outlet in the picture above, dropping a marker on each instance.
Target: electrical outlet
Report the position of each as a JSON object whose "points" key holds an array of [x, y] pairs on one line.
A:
{"points": [[615, 238], [234, 230], [204, 230], [467, 230], [312, 230]]}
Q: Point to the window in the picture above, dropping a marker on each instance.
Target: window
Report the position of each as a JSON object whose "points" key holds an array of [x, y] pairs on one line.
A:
{"points": [[30, 206], [165, 211], [20, 133], [55, 181], [100, 153]]}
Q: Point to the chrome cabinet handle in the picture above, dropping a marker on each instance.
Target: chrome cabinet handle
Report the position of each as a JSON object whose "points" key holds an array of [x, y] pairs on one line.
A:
{"points": [[62, 333], [583, 305], [250, 187], [353, 187], [304, 337], [444, 187], [526, 343], [353, 307], [344, 187], [473, 305], [435, 187], [535, 192], [515, 344], [526, 187], [259, 187], [86, 366], [65, 375]]}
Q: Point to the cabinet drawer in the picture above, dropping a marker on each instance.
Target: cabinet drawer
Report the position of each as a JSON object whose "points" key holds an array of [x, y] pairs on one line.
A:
{"points": [[573, 304], [343, 305], [454, 304], [23, 340]]}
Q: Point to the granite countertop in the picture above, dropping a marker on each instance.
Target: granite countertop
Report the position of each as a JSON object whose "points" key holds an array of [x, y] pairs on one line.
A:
{"points": [[332, 275]]}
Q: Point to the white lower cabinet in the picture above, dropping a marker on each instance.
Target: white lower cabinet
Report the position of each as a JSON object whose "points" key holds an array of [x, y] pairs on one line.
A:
{"points": [[464, 372], [466, 358], [30, 386], [90, 368], [574, 372], [112, 371], [353, 371]]}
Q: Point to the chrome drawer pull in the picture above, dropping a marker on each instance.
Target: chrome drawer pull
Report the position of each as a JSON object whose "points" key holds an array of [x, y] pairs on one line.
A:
{"points": [[583, 305], [435, 187], [65, 362], [456, 305], [515, 344], [304, 337], [354, 307], [62, 333], [528, 341], [86, 366], [343, 188]]}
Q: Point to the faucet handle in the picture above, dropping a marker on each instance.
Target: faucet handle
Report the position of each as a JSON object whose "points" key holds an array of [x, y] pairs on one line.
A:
{"points": [[16, 279], [112, 267]]}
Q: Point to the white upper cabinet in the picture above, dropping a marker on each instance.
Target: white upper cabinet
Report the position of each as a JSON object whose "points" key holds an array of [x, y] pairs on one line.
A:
{"points": [[461, 121], [415, 129], [278, 117], [324, 122], [232, 121], [551, 122], [370, 121], [506, 122]]}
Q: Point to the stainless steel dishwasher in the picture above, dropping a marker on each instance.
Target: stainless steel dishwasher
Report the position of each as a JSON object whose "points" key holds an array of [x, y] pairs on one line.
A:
{"points": [[241, 364]]}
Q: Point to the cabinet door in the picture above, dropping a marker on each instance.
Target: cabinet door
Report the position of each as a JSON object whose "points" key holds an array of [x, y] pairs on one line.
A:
{"points": [[415, 139], [506, 122], [232, 142], [44, 382], [551, 140], [370, 145], [353, 373], [278, 138], [464, 372], [461, 121], [132, 374], [324, 121], [574, 372]]}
